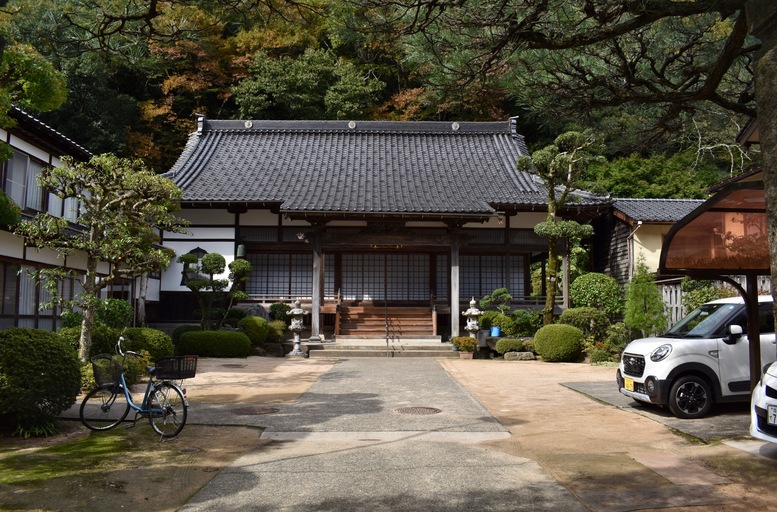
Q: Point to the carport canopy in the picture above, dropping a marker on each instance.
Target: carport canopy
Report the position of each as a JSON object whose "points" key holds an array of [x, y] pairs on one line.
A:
{"points": [[727, 235]]}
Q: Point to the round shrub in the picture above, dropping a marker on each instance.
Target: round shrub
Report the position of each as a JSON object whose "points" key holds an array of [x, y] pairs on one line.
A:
{"points": [[275, 331], [465, 343], [256, 328], [215, 344], [40, 376], [178, 331], [505, 323], [505, 345], [593, 322], [559, 343], [157, 343], [598, 291]]}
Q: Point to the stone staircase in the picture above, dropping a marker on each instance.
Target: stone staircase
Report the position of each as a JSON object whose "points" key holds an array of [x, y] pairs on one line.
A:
{"points": [[364, 347]]}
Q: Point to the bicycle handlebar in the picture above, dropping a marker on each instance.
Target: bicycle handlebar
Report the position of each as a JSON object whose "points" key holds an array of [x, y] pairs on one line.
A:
{"points": [[121, 352]]}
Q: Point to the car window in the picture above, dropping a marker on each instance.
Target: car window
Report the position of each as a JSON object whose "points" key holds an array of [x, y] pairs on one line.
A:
{"points": [[766, 317], [704, 321]]}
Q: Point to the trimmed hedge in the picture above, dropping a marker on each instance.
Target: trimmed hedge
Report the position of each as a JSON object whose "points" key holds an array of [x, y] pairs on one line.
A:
{"points": [[505, 345], [559, 343], [157, 343], [275, 333], [465, 343], [40, 376], [256, 328], [599, 291], [178, 331], [215, 344]]}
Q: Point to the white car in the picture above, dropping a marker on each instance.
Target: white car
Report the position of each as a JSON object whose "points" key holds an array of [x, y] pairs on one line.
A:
{"points": [[763, 407], [702, 360]]}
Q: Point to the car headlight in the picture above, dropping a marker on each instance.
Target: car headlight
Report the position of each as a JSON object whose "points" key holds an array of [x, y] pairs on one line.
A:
{"points": [[661, 353]]}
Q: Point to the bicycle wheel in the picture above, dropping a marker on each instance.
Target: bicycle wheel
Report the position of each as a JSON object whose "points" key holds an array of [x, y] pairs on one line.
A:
{"points": [[104, 407], [167, 409]]}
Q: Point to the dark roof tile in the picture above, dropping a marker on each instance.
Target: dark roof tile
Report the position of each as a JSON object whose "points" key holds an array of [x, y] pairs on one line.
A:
{"points": [[656, 210]]}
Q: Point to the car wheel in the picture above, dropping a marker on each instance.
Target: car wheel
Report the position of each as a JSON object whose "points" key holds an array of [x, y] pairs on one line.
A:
{"points": [[690, 397]]}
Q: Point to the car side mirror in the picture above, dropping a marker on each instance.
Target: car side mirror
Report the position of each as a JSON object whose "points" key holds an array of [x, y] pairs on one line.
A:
{"points": [[734, 333]]}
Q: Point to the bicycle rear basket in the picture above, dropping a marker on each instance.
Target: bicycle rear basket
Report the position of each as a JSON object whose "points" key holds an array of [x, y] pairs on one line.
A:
{"points": [[107, 369], [176, 368]]}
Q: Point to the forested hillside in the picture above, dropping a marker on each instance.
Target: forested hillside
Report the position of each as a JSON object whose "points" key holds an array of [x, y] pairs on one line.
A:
{"points": [[669, 85]]}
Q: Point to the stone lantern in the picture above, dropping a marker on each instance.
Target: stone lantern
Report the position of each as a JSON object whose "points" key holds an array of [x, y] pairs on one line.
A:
{"points": [[296, 314], [473, 314]]}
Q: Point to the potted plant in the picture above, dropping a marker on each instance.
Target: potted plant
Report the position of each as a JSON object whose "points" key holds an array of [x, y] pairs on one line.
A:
{"points": [[466, 346]]}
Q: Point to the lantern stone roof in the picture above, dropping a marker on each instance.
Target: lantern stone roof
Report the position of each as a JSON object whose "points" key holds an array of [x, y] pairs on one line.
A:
{"points": [[361, 167]]}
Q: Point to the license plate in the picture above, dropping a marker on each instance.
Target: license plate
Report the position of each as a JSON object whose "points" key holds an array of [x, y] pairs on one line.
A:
{"points": [[628, 384], [772, 415]]}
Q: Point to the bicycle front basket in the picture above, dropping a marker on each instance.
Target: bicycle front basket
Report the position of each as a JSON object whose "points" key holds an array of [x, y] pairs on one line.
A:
{"points": [[176, 368], [107, 369]]}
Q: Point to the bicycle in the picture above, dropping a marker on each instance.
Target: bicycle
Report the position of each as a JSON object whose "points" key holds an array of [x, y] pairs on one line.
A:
{"points": [[164, 402]]}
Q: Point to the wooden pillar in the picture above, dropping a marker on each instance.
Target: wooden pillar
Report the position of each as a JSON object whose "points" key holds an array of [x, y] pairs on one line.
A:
{"points": [[454, 284], [318, 277]]}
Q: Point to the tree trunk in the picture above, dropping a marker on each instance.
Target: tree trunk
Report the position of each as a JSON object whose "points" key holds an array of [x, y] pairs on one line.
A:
{"points": [[87, 324], [141, 303], [766, 98], [551, 279]]}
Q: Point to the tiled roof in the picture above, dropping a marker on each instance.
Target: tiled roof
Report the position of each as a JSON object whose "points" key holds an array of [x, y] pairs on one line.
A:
{"points": [[47, 136], [656, 210], [358, 167]]}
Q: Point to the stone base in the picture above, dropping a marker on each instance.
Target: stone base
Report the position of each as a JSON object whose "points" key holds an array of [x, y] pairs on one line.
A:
{"points": [[519, 356], [296, 354]]}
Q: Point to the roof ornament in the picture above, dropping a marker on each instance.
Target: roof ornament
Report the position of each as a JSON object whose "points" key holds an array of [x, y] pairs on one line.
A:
{"points": [[352, 124], [200, 122], [248, 124], [455, 126]]}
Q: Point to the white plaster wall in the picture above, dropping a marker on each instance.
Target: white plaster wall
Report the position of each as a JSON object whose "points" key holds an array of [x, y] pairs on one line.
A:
{"points": [[207, 216], [11, 245], [28, 148], [152, 293], [171, 278], [258, 218], [45, 256], [647, 241], [203, 233], [527, 220]]}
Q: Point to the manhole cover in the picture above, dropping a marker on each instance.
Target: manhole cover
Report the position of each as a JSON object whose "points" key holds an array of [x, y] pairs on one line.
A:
{"points": [[250, 411], [419, 411], [233, 365]]}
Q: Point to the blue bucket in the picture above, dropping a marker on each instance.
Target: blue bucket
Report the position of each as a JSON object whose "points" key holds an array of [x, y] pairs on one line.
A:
{"points": [[496, 331]]}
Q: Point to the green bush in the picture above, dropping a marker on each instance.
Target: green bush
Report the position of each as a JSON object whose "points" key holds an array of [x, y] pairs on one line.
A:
{"points": [[275, 331], [505, 345], [157, 343], [104, 338], [72, 318], [496, 319], [256, 328], [236, 313], [215, 344], [526, 322], [10, 213], [528, 346], [611, 347], [178, 331], [599, 291], [593, 322], [116, 313], [465, 343], [278, 312], [40, 376], [559, 343]]}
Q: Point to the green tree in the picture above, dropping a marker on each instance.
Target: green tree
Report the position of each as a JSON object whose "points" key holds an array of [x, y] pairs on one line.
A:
{"points": [[561, 167], [644, 303], [215, 295], [121, 208], [317, 85]]}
